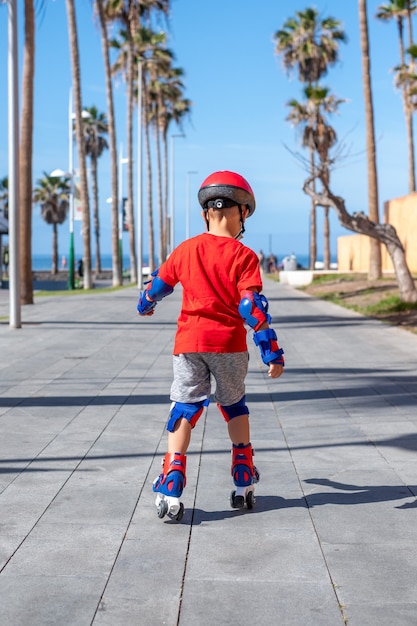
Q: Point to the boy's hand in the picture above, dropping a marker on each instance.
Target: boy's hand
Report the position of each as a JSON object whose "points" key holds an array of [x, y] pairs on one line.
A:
{"points": [[145, 306], [275, 370]]}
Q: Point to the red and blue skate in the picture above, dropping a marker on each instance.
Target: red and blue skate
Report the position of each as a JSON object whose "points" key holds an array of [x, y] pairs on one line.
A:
{"points": [[245, 475], [169, 486]]}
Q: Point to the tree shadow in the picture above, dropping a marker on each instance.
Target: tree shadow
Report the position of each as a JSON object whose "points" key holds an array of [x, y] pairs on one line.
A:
{"points": [[350, 494]]}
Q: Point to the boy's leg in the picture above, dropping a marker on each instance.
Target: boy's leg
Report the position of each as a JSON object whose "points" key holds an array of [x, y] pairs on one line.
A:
{"points": [[239, 429], [170, 483], [179, 439]]}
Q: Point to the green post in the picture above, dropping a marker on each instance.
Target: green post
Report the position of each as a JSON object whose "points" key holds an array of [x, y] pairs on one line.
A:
{"points": [[71, 263]]}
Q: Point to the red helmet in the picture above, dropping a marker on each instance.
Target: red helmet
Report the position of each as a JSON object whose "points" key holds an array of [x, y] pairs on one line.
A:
{"points": [[226, 184]]}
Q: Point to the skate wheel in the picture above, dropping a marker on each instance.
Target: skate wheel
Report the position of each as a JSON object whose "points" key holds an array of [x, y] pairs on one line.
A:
{"points": [[162, 508], [250, 500], [180, 513], [232, 499], [236, 502]]}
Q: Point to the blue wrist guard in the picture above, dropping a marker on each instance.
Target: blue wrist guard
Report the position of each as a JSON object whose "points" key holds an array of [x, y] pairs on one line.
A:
{"points": [[157, 290], [266, 340], [144, 306]]}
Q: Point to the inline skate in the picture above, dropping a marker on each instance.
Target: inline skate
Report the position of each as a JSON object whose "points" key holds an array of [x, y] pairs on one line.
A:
{"points": [[245, 475], [169, 486]]}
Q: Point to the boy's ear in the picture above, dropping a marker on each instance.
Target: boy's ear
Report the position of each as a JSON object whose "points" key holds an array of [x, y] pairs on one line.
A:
{"points": [[245, 212], [204, 216]]}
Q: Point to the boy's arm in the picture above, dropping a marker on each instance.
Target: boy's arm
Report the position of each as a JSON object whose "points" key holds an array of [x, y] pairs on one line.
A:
{"points": [[154, 292], [253, 308]]}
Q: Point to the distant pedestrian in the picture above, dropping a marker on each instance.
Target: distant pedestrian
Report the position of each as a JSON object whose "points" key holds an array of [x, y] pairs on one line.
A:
{"points": [[272, 264], [80, 268], [63, 262], [261, 258]]}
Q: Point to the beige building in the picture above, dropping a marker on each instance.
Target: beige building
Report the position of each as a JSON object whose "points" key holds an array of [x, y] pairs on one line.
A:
{"points": [[353, 250]]}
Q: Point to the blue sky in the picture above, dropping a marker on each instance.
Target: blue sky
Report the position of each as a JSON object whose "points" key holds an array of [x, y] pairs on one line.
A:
{"points": [[239, 92]]}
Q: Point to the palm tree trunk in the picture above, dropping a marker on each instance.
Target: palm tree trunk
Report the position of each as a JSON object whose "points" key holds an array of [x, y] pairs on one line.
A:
{"points": [[313, 221], [151, 235], [130, 211], [76, 79], [166, 221], [54, 249], [375, 263], [96, 218], [161, 255], [116, 261], [25, 157], [326, 237]]}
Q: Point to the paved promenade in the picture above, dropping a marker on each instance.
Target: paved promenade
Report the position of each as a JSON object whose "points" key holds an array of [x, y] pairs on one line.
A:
{"points": [[332, 540]]}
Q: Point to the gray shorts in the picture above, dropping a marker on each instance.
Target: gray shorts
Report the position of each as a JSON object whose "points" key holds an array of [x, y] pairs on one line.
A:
{"points": [[193, 372]]}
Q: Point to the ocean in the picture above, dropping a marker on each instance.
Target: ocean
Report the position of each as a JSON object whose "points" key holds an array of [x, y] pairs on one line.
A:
{"points": [[43, 262]]}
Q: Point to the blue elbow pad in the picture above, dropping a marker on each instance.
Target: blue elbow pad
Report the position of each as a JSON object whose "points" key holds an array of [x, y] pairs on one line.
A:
{"points": [[254, 309], [158, 288]]}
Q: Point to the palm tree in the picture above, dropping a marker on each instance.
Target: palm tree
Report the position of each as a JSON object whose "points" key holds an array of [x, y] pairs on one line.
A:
{"points": [[319, 137], [311, 44], [130, 13], [76, 79], [25, 157], [117, 279], [375, 262], [399, 10], [95, 127], [172, 108], [146, 45], [158, 72], [52, 194]]}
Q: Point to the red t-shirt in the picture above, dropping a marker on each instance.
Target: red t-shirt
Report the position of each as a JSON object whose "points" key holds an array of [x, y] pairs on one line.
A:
{"points": [[214, 271]]}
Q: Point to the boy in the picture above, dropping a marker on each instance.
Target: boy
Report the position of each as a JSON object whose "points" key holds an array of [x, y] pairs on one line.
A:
{"points": [[221, 291]]}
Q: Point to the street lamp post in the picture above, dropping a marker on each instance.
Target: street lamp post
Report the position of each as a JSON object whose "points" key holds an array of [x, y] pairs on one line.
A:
{"points": [[172, 194], [140, 178], [71, 255], [187, 212]]}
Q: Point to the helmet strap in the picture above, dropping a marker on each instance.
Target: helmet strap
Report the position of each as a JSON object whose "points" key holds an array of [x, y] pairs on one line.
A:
{"points": [[242, 225]]}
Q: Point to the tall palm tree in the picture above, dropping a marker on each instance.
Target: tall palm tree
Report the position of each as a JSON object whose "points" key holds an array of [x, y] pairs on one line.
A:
{"points": [[173, 108], [400, 10], [76, 80], [319, 137], [117, 279], [52, 193], [375, 262], [95, 127], [130, 14], [146, 45], [158, 73], [25, 157], [311, 45]]}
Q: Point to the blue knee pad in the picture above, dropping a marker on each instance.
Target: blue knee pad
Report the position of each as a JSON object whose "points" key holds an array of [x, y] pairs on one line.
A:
{"points": [[191, 411], [234, 410]]}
